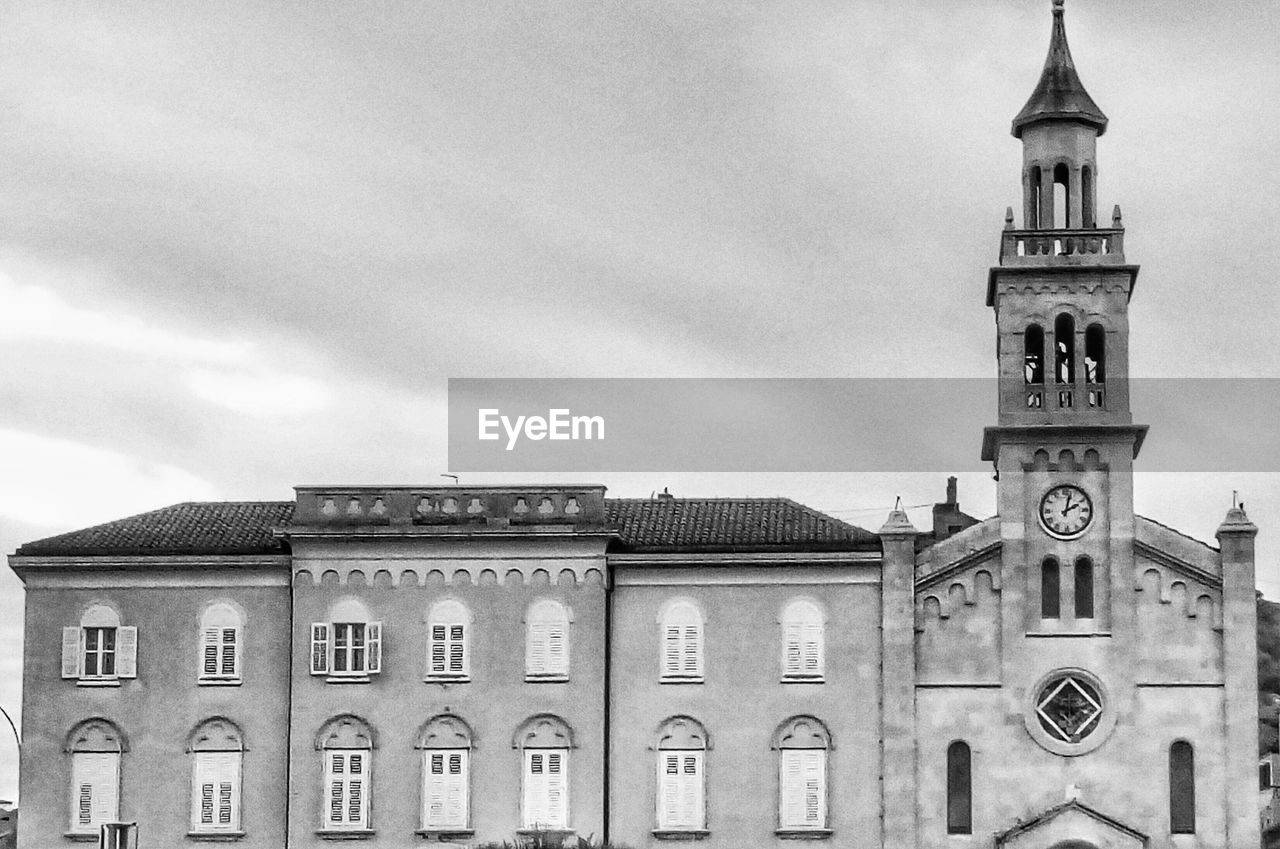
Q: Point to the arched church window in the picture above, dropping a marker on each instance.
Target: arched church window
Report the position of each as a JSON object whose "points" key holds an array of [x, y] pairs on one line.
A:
{"points": [[1033, 348], [1035, 189], [959, 789], [1182, 788], [1061, 196], [1064, 347], [1087, 203], [1050, 583], [1095, 354], [1084, 588]]}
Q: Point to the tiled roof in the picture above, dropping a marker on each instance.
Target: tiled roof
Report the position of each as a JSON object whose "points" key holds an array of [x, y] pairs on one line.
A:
{"points": [[656, 524], [727, 524], [193, 527]]}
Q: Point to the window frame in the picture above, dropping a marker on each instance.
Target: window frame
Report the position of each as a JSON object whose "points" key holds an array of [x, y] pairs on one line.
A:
{"points": [[785, 824], [803, 627], [329, 755], [1182, 788], [102, 621], [449, 629], [530, 756], [230, 763], [959, 778], [79, 763], [219, 621], [463, 793], [682, 639], [697, 822], [546, 619]]}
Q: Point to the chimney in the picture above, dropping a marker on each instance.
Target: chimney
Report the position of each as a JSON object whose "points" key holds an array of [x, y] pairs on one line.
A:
{"points": [[947, 518]]}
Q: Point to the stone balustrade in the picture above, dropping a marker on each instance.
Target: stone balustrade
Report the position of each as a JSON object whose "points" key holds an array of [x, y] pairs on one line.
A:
{"points": [[339, 506]]}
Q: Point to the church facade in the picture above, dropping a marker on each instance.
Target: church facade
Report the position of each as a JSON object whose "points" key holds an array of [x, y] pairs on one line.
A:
{"points": [[459, 664]]}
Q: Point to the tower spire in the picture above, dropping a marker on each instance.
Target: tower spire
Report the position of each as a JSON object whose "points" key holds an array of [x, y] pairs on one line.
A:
{"points": [[1059, 96]]}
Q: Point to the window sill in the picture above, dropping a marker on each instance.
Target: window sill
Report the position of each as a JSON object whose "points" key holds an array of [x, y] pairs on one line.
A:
{"points": [[551, 832], [546, 679], [448, 679], [215, 836], [82, 836], [218, 682], [444, 834], [674, 679], [681, 833], [96, 682], [804, 833], [347, 679], [804, 679], [345, 833]]}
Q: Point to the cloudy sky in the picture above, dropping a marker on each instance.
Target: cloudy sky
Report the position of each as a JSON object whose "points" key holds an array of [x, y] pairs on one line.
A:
{"points": [[243, 245]]}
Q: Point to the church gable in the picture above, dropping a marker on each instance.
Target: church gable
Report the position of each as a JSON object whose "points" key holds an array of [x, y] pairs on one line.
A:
{"points": [[1072, 824], [957, 608], [1178, 588]]}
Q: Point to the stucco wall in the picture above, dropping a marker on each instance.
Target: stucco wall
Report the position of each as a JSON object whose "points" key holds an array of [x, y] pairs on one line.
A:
{"points": [[741, 702], [158, 710]]}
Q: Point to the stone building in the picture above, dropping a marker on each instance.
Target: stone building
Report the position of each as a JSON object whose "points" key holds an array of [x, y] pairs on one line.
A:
{"points": [[395, 664]]}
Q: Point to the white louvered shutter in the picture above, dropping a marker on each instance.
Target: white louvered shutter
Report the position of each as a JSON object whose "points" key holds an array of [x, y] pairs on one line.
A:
{"points": [[320, 648], [229, 655], [680, 790], [811, 648], [357, 789], [557, 648], [803, 783], [216, 792], [546, 788], [557, 788], [535, 787], [438, 663], [373, 647], [457, 649], [210, 651], [71, 652], [537, 649], [444, 793], [127, 651], [671, 650], [95, 789], [692, 650], [336, 776], [347, 790]]}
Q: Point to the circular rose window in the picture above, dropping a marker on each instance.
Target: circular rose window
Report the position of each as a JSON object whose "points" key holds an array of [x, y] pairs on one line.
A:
{"points": [[1068, 714]]}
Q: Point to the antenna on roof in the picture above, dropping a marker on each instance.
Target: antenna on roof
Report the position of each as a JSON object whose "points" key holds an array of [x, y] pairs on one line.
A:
{"points": [[446, 475]]}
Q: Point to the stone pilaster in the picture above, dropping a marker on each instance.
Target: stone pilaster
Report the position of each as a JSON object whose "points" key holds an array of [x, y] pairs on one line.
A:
{"points": [[898, 687]]}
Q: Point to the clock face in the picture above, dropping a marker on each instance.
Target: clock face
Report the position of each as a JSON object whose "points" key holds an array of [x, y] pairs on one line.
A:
{"points": [[1065, 511]]}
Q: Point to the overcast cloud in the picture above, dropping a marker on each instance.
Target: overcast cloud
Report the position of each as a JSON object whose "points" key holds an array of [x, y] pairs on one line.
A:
{"points": [[242, 246]]}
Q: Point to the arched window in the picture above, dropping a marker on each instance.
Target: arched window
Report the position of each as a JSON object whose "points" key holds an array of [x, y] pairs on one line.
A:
{"points": [[346, 746], [802, 743], [349, 645], [1061, 196], [1084, 588], [221, 630], [1064, 345], [216, 747], [803, 653], [1095, 354], [546, 647], [1050, 601], [100, 650], [448, 638], [681, 793], [1033, 347], [1087, 202], [544, 741], [959, 789], [1035, 189], [445, 742], [681, 641], [1182, 788], [95, 746]]}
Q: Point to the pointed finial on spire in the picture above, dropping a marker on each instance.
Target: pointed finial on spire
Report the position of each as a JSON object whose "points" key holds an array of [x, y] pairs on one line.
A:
{"points": [[1059, 95], [1117, 222], [1008, 218]]}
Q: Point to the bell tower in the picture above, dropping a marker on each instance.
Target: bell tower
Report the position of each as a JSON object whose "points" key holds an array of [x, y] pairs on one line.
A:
{"points": [[1064, 442]]}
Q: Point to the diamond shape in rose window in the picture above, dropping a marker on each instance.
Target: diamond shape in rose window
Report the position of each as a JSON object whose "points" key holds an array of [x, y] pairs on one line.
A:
{"points": [[1068, 709]]}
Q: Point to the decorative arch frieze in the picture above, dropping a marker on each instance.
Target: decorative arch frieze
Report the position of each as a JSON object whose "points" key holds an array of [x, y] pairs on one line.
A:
{"points": [[436, 573]]}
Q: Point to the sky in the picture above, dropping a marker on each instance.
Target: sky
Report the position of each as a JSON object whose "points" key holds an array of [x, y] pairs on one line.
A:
{"points": [[244, 245]]}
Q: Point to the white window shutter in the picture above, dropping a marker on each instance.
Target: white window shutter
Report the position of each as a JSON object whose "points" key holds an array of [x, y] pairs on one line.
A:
{"points": [[215, 802], [127, 651], [95, 789], [229, 663], [337, 788], [557, 649], [444, 792], [558, 788], [671, 650], [692, 650], [811, 648], [71, 652], [535, 789], [437, 650], [792, 661], [457, 649], [536, 649], [803, 785], [357, 788], [320, 649], [455, 796], [373, 647], [210, 645], [546, 788]]}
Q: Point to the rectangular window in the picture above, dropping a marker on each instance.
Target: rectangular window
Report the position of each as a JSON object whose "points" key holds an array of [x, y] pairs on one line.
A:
{"points": [[803, 783], [447, 651], [547, 651], [1084, 589], [347, 789], [95, 783], [215, 802], [802, 650], [682, 652], [347, 649], [444, 791], [99, 654], [680, 791], [219, 653], [546, 788]]}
